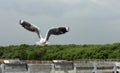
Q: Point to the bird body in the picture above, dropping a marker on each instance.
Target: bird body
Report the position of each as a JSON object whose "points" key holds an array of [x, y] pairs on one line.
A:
{"points": [[52, 31]]}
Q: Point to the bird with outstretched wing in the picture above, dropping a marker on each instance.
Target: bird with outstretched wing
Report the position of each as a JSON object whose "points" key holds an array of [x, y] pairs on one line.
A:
{"points": [[52, 31]]}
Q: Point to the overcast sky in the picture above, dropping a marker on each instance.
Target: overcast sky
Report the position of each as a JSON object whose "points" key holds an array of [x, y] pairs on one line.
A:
{"points": [[90, 21]]}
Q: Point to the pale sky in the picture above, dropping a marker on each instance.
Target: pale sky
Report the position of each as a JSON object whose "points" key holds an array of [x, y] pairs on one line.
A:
{"points": [[90, 21]]}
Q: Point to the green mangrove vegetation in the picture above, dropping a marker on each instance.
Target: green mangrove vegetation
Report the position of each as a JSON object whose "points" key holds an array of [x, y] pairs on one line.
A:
{"points": [[64, 52]]}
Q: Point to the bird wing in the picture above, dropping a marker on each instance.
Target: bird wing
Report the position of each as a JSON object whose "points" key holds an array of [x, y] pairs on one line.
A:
{"points": [[56, 31], [30, 27]]}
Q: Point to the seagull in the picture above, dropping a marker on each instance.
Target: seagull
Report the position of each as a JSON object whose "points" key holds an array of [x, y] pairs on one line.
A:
{"points": [[43, 41]]}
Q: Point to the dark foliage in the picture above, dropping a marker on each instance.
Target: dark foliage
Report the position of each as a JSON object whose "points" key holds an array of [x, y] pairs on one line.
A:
{"points": [[66, 52]]}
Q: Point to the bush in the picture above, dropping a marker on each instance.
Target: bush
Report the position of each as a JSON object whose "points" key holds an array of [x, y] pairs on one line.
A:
{"points": [[66, 52]]}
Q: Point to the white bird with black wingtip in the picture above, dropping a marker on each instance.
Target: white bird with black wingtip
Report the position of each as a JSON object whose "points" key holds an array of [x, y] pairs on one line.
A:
{"points": [[52, 31]]}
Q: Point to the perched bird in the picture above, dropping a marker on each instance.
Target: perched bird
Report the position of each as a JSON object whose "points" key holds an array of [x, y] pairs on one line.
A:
{"points": [[52, 31]]}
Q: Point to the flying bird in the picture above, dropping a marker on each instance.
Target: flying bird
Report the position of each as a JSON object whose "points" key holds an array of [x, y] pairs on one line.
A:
{"points": [[43, 41]]}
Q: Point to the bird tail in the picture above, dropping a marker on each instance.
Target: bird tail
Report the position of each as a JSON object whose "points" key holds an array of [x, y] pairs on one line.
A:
{"points": [[42, 44]]}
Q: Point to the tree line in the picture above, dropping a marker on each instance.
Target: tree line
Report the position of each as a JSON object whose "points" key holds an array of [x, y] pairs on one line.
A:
{"points": [[60, 52]]}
